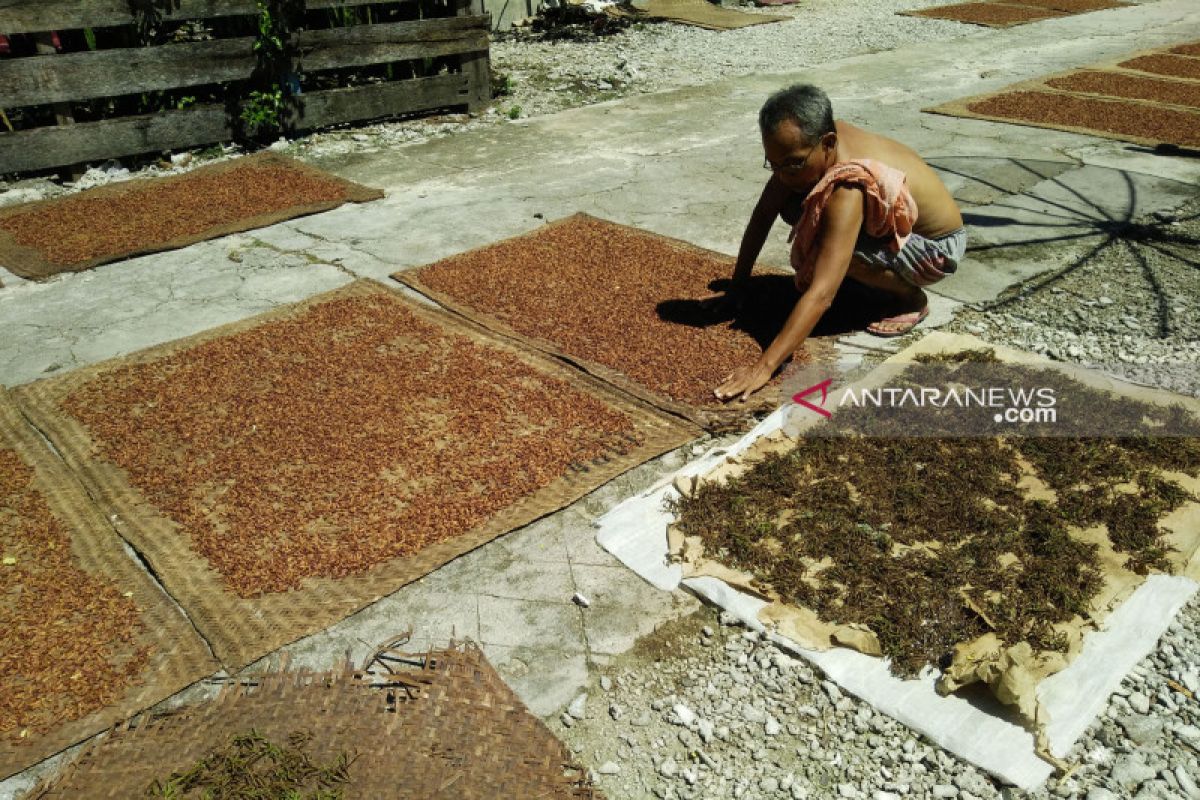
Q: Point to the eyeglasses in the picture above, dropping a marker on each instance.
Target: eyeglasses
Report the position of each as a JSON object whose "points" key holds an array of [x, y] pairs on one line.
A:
{"points": [[790, 169]]}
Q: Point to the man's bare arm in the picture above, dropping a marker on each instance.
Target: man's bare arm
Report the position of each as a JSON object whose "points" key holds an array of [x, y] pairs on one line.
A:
{"points": [[762, 219], [841, 223]]}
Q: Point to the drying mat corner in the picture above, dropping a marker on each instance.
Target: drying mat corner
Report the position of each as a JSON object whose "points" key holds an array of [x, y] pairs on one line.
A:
{"points": [[442, 724], [702, 14], [241, 630], [1187, 121], [987, 14], [176, 656], [1152, 63], [1007, 14], [732, 416], [33, 263]]}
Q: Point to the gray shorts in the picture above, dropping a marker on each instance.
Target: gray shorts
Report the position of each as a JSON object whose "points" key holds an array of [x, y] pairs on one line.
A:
{"points": [[921, 261]]}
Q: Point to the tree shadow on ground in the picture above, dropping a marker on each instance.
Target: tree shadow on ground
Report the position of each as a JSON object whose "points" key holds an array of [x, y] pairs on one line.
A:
{"points": [[1098, 222]]}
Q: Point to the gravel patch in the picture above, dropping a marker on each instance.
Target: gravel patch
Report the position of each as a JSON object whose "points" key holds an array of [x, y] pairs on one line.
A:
{"points": [[548, 76], [703, 708], [1132, 310]]}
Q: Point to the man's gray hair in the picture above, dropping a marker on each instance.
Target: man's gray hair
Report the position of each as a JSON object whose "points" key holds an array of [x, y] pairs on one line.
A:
{"points": [[803, 104]]}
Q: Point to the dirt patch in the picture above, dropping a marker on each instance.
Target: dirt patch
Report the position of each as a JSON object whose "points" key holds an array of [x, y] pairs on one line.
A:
{"points": [[991, 14], [324, 444], [931, 542], [1116, 84], [1109, 116], [1178, 66], [1189, 49], [68, 645]]}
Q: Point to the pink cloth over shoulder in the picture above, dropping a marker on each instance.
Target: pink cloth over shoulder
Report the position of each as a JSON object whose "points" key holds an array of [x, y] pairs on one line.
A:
{"points": [[889, 211]]}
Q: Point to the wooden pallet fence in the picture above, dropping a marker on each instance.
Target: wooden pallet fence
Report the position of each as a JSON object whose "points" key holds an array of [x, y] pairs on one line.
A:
{"points": [[56, 80]]}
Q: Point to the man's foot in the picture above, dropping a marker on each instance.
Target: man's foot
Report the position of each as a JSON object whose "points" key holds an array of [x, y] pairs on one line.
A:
{"points": [[898, 325]]}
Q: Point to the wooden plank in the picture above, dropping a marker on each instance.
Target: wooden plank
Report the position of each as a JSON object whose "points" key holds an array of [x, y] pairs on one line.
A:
{"points": [[62, 111], [44, 148], [477, 67], [363, 45], [45, 46], [31, 16], [335, 106], [39, 80]]}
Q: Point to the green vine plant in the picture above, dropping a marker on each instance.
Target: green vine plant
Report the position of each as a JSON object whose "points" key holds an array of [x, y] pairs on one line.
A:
{"points": [[262, 112], [269, 100]]}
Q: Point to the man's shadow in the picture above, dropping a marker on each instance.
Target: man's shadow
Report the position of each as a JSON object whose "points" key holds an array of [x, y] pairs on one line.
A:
{"points": [[768, 300]]}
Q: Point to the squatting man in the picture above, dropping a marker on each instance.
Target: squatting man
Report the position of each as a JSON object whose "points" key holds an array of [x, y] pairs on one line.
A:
{"points": [[861, 206]]}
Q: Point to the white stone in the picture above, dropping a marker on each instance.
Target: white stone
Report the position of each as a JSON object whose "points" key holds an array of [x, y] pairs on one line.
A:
{"points": [[752, 714], [1187, 784], [1130, 770], [578, 707], [684, 714]]}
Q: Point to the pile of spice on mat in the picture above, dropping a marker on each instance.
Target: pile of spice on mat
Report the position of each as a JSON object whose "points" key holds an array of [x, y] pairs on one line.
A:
{"points": [[323, 444]]}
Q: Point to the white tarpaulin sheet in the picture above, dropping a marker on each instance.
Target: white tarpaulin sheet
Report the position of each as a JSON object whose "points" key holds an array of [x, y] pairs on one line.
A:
{"points": [[975, 729]]}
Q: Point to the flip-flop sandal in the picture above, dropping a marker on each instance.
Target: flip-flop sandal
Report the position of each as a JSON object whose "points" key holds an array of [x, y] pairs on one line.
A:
{"points": [[909, 320]]}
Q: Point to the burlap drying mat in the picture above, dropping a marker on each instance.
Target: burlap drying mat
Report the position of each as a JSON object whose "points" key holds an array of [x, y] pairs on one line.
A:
{"points": [[437, 725], [698, 13], [514, 324], [991, 15], [154, 214], [1156, 122], [242, 628], [1008, 13], [173, 655]]}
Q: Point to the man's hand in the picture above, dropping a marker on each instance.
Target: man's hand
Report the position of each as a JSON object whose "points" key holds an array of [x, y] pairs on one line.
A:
{"points": [[744, 381]]}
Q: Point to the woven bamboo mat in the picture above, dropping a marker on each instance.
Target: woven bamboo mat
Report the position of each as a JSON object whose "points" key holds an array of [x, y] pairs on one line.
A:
{"points": [[519, 316], [1122, 115], [284, 471], [131, 218], [63, 675], [438, 725]]}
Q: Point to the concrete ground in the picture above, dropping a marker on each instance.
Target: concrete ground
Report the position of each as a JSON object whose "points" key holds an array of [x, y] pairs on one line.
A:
{"points": [[683, 163]]}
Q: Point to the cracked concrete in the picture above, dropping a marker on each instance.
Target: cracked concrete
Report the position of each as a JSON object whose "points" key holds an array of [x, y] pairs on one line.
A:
{"points": [[685, 164]]}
